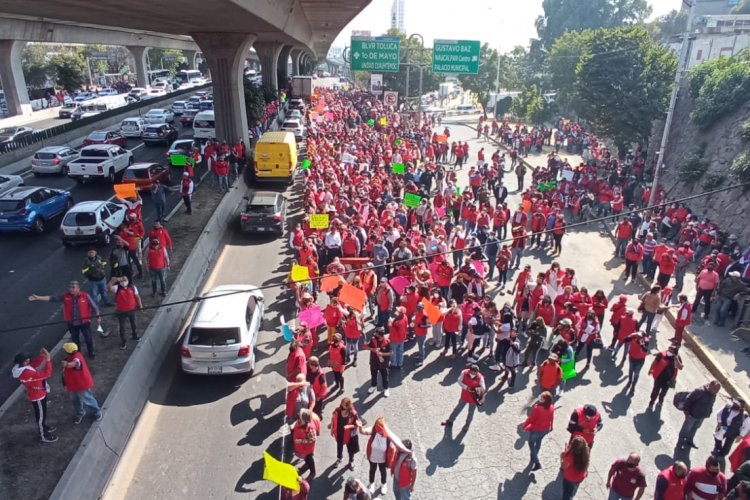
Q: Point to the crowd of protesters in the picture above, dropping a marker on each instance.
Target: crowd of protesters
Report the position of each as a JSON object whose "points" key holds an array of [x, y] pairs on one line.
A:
{"points": [[431, 256]]}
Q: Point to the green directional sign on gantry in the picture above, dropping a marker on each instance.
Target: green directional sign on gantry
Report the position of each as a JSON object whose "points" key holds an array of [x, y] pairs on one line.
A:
{"points": [[456, 56], [379, 54]]}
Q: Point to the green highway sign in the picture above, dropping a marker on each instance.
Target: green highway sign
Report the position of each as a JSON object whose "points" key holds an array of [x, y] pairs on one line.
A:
{"points": [[455, 56], [380, 54]]}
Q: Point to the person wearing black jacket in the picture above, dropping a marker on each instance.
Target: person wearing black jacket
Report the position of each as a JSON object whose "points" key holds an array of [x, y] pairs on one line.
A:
{"points": [[732, 422], [698, 407]]}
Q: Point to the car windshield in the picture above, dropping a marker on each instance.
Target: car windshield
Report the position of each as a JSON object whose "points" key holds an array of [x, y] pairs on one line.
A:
{"points": [[97, 136], [7, 131], [155, 112], [214, 336], [80, 219], [11, 205], [291, 124], [45, 156], [136, 173]]}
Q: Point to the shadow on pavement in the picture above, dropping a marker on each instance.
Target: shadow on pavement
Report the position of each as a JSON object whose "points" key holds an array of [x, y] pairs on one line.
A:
{"points": [[446, 452]]}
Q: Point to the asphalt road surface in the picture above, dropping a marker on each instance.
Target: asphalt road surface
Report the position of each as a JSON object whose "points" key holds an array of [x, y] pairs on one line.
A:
{"points": [[33, 263], [201, 437]]}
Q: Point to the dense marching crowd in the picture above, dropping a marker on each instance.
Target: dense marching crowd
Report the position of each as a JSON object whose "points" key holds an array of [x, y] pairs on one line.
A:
{"points": [[424, 251]]}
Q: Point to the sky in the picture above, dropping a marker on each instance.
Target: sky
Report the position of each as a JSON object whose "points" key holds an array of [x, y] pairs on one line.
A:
{"points": [[501, 23]]}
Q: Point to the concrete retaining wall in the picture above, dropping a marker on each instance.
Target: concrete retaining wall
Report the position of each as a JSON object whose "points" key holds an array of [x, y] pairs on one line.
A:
{"points": [[90, 469]]}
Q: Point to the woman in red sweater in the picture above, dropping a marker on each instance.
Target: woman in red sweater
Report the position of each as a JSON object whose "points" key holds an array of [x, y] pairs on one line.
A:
{"points": [[538, 424], [574, 462]]}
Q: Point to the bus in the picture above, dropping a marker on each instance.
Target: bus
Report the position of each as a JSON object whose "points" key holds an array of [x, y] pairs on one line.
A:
{"points": [[189, 77], [204, 126], [158, 73]]}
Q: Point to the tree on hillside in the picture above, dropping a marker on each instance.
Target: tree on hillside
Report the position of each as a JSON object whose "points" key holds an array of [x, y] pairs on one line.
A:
{"points": [[168, 59], [562, 62], [483, 82], [743, 7], [70, 71], [623, 81], [576, 15], [668, 25]]}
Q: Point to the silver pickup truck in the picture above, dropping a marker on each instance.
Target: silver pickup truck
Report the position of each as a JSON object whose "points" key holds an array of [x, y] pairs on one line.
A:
{"points": [[100, 161]]}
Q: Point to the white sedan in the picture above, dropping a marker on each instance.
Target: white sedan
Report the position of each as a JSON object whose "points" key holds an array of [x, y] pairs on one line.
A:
{"points": [[10, 181], [159, 116]]}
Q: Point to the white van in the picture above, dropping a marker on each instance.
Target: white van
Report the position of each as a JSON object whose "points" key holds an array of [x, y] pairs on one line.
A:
{"points": [[204, 126]]}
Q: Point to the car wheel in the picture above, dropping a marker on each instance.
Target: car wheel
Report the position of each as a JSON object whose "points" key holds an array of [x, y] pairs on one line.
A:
{"points": [[112, 177], [105, 239], [38, 225]]}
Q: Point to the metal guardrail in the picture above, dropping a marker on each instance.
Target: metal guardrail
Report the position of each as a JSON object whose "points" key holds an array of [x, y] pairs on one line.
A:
{"points": [[48, 133]]}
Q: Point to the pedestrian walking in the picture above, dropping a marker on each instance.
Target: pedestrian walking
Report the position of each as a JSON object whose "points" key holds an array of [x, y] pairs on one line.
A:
{"points": [[586, 422], [550, 374], [78, 311], [119, 260], [626, 480], [697, 406], [664, 369], [683, 318], [574, 462], [317, 378], [670, 483], [404, 470], [336, 362], [399, 325], [473, 392], [420, 324], [538, 424], [78, 382], [159, 197], [650, 305], [637, 352], [706, 283], [353, 326], [95, 270], [157, 263], [33, 375], [305, 431], [512, 361], [345, 424], [706, 482], [452, 321], [380, 353], [127, 300], [186, 191], [537, 335], [732, 423], [633, 257], [299, 396], [160, 232], [133, 232]]}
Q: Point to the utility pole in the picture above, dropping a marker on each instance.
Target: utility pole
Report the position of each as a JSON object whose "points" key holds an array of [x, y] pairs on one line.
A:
{"points": [[681, 68], [408, 64]]}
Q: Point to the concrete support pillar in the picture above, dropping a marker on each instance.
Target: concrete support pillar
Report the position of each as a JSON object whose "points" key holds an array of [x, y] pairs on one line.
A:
{"points": [[140, 55], [225, 54], [11, 76], [190, 56], [268, 53], [282, 70], [295, 54]]}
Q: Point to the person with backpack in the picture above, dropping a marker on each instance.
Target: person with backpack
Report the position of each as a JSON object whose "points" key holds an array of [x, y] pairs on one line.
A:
{"points": [[732, 422], [697, 406], [404, 470]]}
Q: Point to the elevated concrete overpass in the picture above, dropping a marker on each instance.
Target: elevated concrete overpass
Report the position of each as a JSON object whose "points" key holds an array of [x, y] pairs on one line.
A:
{"points": [[224, 31]]}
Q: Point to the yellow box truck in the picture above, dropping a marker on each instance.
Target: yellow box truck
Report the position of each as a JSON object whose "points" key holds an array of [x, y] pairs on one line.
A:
{"points": [[275, 156]]}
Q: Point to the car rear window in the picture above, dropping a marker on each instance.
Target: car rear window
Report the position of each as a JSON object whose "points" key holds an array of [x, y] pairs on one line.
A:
{"points": [[266, 209], [153, 129], [291, 124], [95, 153], [45, 156], [214, 336], [11, 205], [139, 173], [80, 219], [97, 136]]}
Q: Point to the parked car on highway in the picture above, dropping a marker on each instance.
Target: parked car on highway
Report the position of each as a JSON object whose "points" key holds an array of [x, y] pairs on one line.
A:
{"points": [[107, 91], [298, 104], [223, 333], [84, 96], [160, 133], [155, 93], [294, 114], [13, 137], [294, 126], [194, 102], [137, 93], [67, 109], [100, 161], [144, 175], [162, 85], [53, 160], [178, 107], [187, 117], [206, 105], [92, 221], [132, 127], [8, 182], [159, 115], [106, 137], [29, 208], [264, 212]]}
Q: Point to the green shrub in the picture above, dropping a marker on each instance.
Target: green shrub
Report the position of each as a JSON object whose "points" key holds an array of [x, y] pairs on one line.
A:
{"points": [[700, 73], [722, 89], [713, 181], [693, 168], [745, 130], [740, 168]]}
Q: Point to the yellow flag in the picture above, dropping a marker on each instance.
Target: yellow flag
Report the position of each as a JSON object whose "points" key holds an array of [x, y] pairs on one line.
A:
{"points": [[280, 473], [300, 273]]}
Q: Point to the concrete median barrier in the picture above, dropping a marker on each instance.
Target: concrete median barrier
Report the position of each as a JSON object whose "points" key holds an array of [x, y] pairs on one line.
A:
{"points": [[90, 469]]}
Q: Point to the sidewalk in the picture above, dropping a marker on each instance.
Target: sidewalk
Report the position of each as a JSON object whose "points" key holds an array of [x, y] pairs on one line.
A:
{"points": [[718, 348]]}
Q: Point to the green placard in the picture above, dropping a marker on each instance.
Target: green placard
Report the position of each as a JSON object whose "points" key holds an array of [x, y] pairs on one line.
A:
{"points": [[399, 142], [380, 54], [458, 191], [456, 56], [397, 168], [306, 163], [371, 122], [411, 200], [178, 160]]}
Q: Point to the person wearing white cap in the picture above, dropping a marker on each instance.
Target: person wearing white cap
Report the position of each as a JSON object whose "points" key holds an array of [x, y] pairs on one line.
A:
{"points": [[730, 289], [78, 382], [186, 191]]}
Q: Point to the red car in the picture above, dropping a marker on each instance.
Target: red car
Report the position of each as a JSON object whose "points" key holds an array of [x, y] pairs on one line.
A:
{"points": [[144, 175], [105, 137]]}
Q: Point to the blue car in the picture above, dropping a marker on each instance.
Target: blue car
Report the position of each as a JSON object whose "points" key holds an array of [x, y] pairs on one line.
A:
{"points": [[30, 208]]}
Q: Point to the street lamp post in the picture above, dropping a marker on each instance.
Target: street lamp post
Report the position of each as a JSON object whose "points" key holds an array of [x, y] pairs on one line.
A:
{"points": [[408, 64]]}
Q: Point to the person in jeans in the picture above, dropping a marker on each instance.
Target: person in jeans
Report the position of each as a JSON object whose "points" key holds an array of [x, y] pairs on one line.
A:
{"points": [[399, 325], [78, 382], [697, 407], [637, 353], [404, 470], [95, 270], [380, 353], [574, 462], [626, 480], [705, 284], [650, 305], [33, 375], [157, 263], [127, 300], [538, 424]]}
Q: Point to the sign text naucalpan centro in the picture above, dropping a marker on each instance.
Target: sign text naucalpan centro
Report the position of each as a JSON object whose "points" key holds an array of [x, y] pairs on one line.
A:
{"points": [[455, 56], [375, 54]]}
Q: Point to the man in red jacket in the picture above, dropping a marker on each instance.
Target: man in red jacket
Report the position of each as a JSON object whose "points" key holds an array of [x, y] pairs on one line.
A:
{"points": [[33, 374], [78, 382], [624, 233], [221, 169]]}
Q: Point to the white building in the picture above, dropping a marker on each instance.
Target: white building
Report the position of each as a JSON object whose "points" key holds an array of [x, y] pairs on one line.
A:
{"points": [[397, 15], [715, 36]]}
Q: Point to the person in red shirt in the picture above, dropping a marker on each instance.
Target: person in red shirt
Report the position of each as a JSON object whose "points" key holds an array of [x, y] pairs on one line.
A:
{"points": [[316, 377], [707, 482], [296, 362], [538, 424], [337, 362], [420, 324], [670, 483], [550, 374], [574, 462], [626, 479], [33, 375], [473, 389], [333, 314], [667, 263], [398, 328], [637, 357], [624, 233], [305, 431], [633, 257], [127, 300]]}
